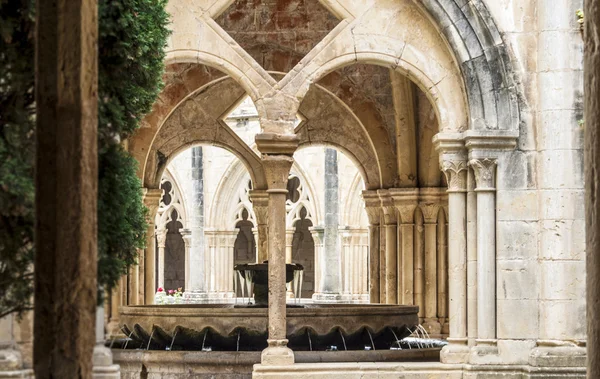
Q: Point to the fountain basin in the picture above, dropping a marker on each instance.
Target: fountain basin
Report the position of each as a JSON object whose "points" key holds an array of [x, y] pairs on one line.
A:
{"points": [[225, 327]]}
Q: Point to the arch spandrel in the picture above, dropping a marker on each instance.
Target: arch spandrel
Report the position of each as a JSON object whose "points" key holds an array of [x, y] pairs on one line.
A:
{"points": [[197, 120]]}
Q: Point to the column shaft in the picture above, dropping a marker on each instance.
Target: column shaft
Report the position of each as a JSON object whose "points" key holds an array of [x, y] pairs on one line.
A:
{"points": [[407, 232], [419, 259], [486, 265], [430, 271], [457, 273], [471, 259], [374, 264], [161, 236], [391, 257]]}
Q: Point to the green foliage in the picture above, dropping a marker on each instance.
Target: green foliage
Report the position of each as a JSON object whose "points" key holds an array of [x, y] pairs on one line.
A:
{"points": [[132, 38], [17, 143]]}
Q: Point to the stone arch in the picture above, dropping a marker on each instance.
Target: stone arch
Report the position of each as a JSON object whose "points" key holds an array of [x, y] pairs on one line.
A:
{"points": [[198, 120], [323, 112]]}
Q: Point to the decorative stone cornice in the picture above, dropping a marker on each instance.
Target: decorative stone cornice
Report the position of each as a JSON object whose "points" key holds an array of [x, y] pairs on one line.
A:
{"points": [[456, 174], [161, 238], [490, 140], [485, 173]]}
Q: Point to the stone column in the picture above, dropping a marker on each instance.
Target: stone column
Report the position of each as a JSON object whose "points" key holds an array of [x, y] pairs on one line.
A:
{"points": [[134, 286], [456, 174], [186, 235], [373, 208], [405, 201], [318, 236], [289, 239], [348, 260], [151, 201], [485, 172], [277, 161], [115, 302], [260, 206], [66, 176], [430, 208], [442, 272], [331, 254], [391, 254], [197, 291], [592, 195], [231, 236], [419, 262], [471, 259], [161, 239]]}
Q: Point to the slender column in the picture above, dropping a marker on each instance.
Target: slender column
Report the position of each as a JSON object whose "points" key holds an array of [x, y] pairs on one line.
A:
{"points": [[419, 262], [330, 264], [103, 367], [485, 172], [471, 259], [66, 179], [442, 272], [456, 175], [115, 302], [186, 235], [391, 255], [161, 238], [373, 213], [151, 201], [277, 162], [318, 236], [348, 274], [229, 275], [592, 194], [289, 239], [260, 206], [133, 284], [430, 211], [405, 201], [197, 291]]}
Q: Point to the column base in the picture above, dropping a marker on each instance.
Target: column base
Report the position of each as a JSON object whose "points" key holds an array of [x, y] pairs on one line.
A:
{"points": [[433, 327], [327, 297], [457, 351], [103, 367], [485, 352], [277, 354], [552, 353]]}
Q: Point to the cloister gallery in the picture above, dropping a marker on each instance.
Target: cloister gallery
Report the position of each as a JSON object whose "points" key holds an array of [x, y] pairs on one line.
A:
{"points": [[402, 152]]}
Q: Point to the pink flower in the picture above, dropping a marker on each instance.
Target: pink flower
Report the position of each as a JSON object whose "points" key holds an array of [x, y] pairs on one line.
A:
{"points": [[171, 292], [160, 289]]}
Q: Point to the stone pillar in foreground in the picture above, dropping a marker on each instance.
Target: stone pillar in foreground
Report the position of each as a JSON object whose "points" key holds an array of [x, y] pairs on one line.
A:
{"points": [[592, 182], [260, 206], [373, 208], [151, 201], [485, 174], [455, 169], [277, 151], [66, 183], [103, 359]]}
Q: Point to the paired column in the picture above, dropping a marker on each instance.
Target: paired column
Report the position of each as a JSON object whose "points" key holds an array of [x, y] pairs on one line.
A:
{"points": [[318, 235], [373, 208], [186, 235], [485, 174], [455, 169], [289, 239], [151, 201], [277, 161]]}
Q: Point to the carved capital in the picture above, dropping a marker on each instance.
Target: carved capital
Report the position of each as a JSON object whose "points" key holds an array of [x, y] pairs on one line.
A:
{"points": [[318, 234], [260, 206], [430, 212], [151, 198], [456, 174], [485, 173], [277, 144], [186, 235], [406, 212], [387, 206], [405, 201], [372, 206], [277, 170], [161, 238]]}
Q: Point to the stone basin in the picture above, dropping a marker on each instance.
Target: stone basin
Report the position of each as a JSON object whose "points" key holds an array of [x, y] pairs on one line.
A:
{"points": [[230, 327]]}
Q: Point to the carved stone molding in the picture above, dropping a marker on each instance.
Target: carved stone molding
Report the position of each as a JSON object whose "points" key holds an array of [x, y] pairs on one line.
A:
{"points": [[186, 235], [260, 206], [151, 198], [456, 174], [387, 206], [372, 207], [485, 173], [430, 212]]}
